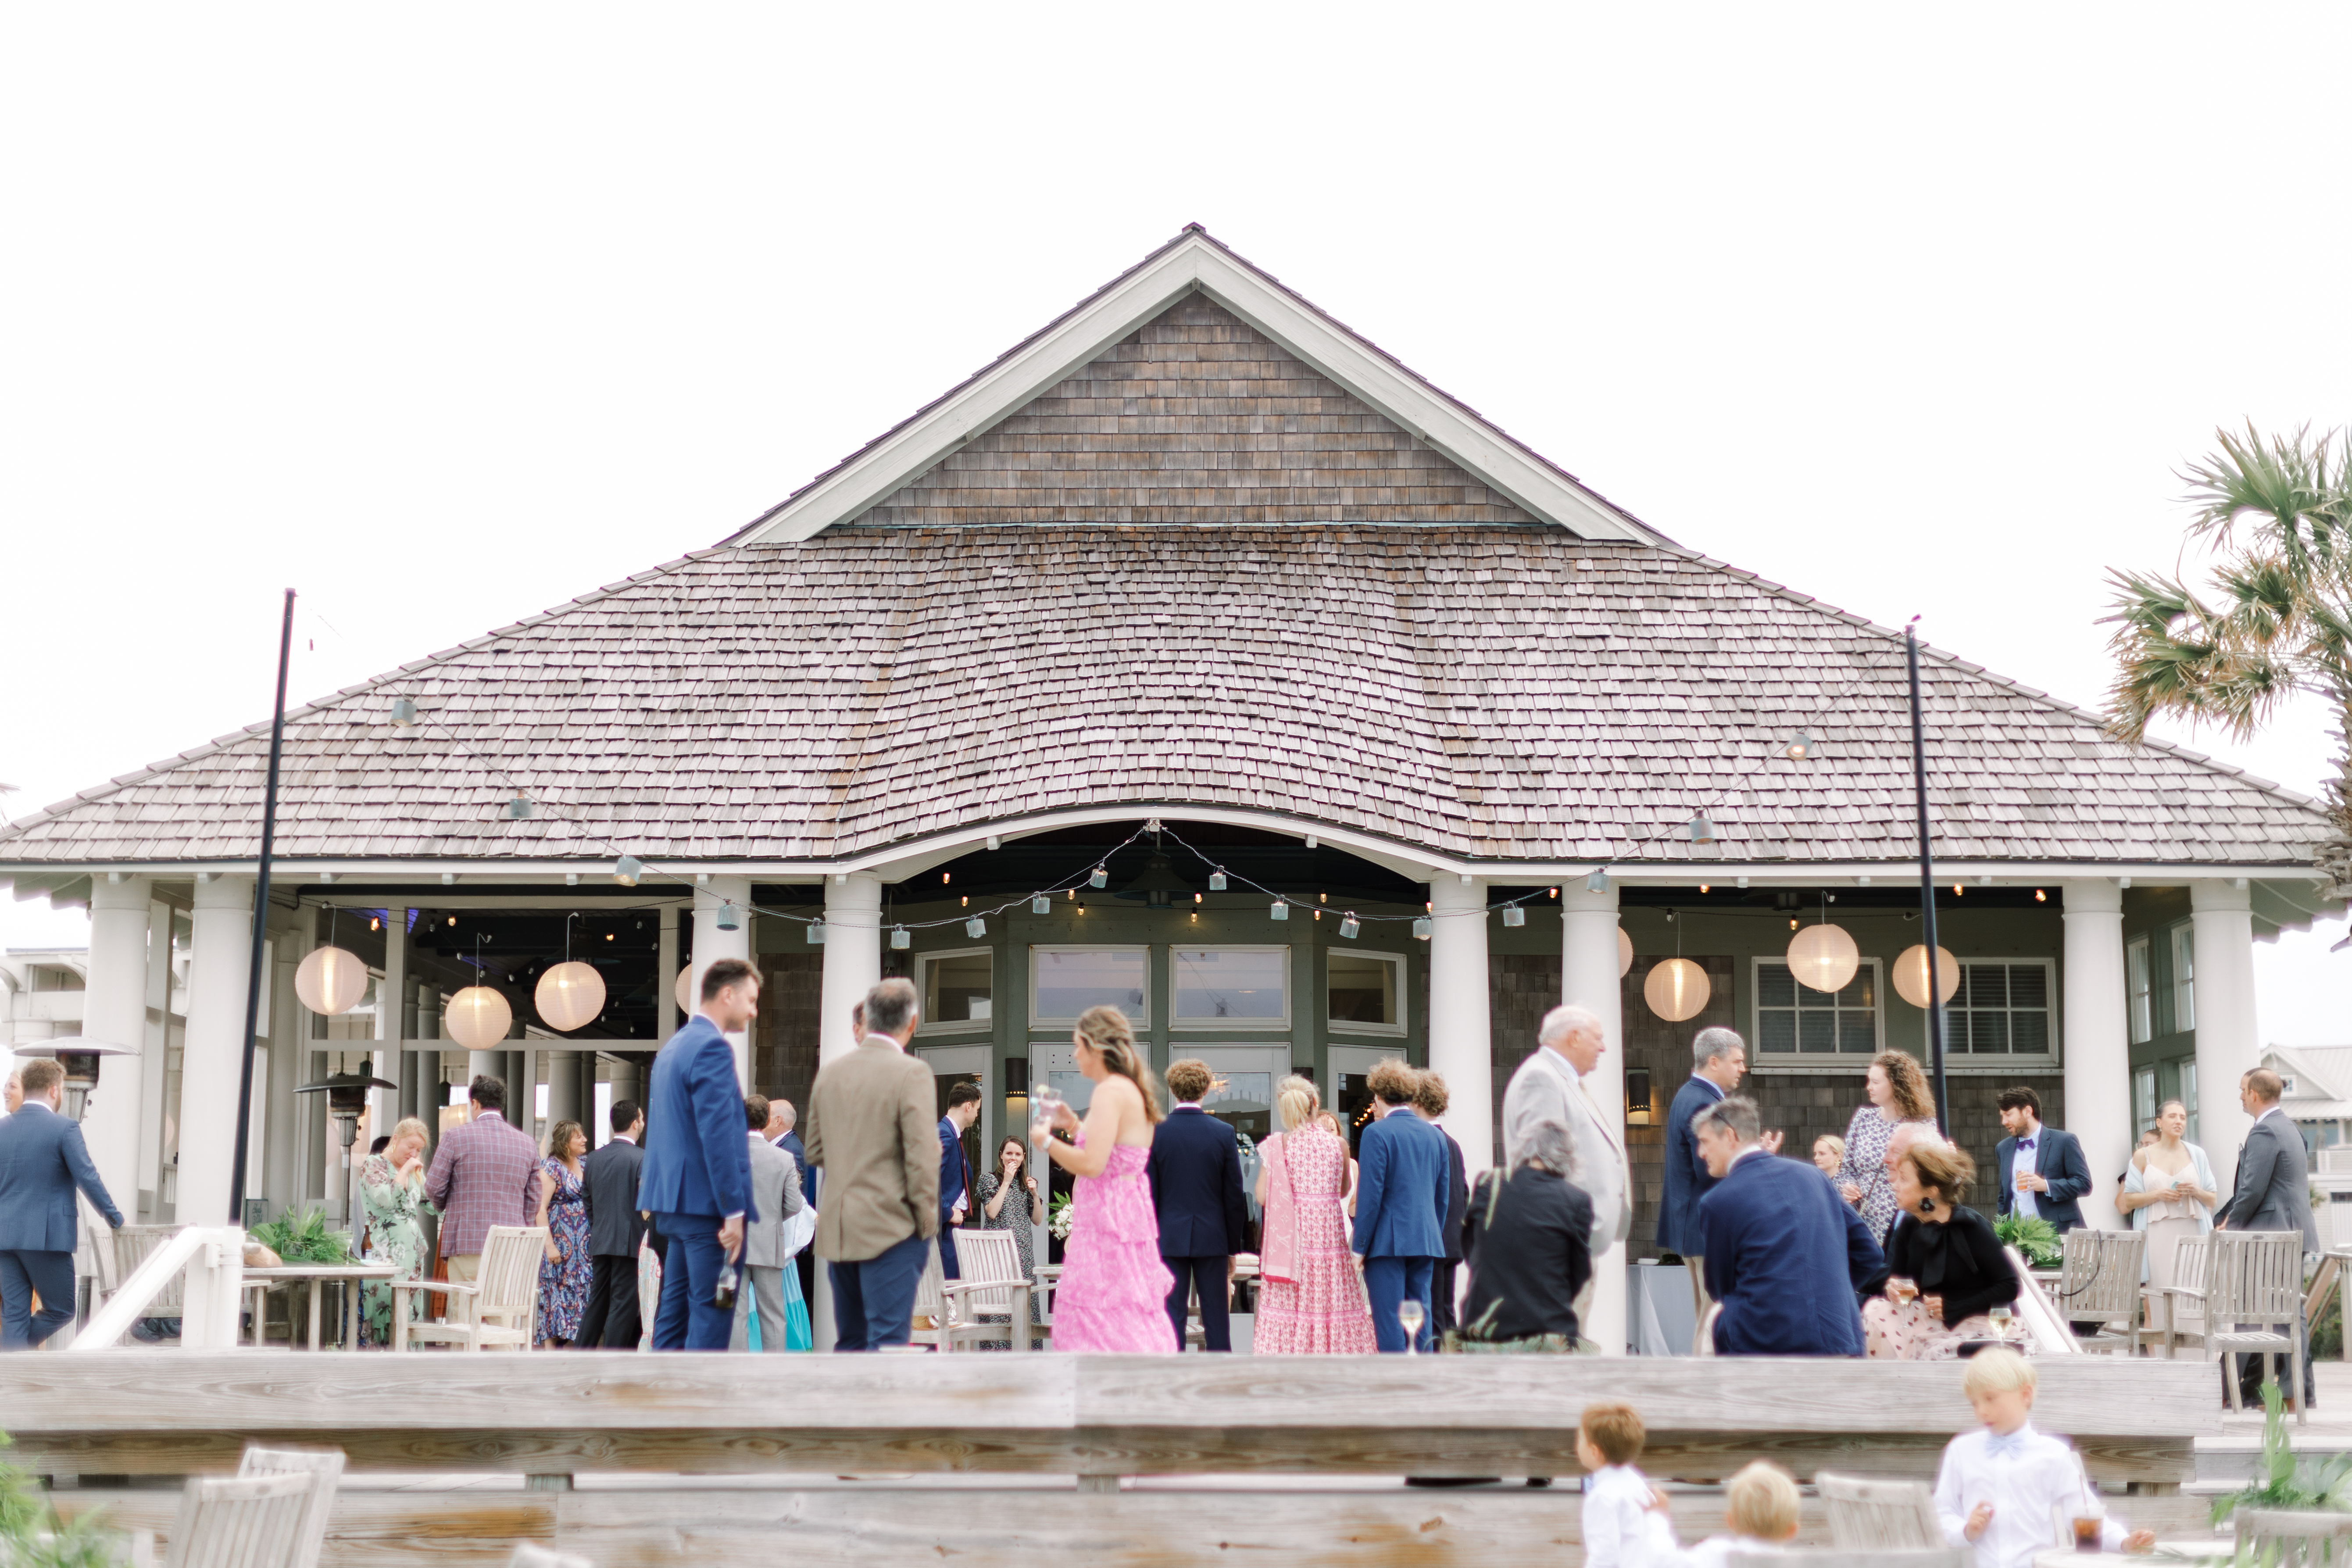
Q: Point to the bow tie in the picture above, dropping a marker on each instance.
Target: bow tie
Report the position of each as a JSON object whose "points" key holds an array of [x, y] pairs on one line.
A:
{"points": [[2024, 1143], [2011, 1447]]}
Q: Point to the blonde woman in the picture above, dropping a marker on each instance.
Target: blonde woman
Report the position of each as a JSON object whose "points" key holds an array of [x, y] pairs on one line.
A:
{"points": [[1897, 1091], [1114, 1291], [1309, 1299], [392, 1189], [1829, 1154]]}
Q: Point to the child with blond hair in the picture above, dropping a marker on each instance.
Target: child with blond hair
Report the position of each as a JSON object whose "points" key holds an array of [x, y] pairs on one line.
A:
{"points": [[2001, 1488], [1761, 1510], [1625, 1521]]}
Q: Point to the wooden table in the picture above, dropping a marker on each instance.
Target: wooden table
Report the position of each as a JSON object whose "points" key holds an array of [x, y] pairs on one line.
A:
{"points": [[258, 1282], [2196, 1547]]}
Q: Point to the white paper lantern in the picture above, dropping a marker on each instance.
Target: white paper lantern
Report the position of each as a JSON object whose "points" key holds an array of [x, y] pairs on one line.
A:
{"points": [[1676, 990], [1911, 975], [476, 1017], [1823, 957], [1625, 953], [569, 997], [330, 981], [685, 1007]]}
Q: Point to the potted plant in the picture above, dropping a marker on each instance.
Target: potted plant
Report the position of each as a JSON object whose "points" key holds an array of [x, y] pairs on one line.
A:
{"points": [[2036, 1239]]}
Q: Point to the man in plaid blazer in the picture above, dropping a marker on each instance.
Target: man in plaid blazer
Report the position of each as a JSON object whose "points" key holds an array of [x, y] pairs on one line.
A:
{"points": [[485, 1173]]}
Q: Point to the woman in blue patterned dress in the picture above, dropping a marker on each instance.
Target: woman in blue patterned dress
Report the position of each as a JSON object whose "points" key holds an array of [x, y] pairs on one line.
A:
{"points": [[562, 1208]]}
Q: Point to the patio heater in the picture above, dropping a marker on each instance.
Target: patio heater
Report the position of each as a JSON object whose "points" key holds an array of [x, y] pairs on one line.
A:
{"points": [[346, 1095], [80, 1058]]}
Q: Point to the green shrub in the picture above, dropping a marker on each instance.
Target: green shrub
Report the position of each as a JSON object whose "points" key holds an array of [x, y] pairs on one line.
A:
{"points": [[304, 1240], [2036, 1239], [32, 1536]]}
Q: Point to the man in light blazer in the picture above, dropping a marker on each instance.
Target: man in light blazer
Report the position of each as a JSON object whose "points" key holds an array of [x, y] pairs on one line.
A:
{"points": [[2055, 1176], [871, 1129], [1401, 1201], [776, 1190], [2272, 1191], [1549, 1086], [697, 1180], [616, 1228], [42, 1161]]}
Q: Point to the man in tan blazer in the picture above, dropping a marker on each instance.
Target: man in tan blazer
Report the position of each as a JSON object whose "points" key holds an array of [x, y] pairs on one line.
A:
{"points": [[871, 1120]]}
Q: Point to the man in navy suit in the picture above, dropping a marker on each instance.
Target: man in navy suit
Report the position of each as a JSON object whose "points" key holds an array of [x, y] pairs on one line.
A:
{"points": [[2054, 1175], [42, 1161], [1195, 1171], [1400, 1204], [697, 1176], [1718, 1061], [955, 1171], [1785, 1255]]}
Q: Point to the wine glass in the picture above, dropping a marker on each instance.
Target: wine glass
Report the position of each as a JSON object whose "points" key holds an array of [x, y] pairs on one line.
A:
{"points": [[1047, 1101], [2001, 1315], [1409, 1317]]}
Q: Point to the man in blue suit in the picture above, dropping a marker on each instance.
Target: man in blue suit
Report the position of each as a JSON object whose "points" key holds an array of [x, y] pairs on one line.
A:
{"points": [[1400, 1204], [1195, 1171], [42, 1161], [1785, 1255], [2055, 1175], [1718, 1061], [955, 1171], [696, 1178]]}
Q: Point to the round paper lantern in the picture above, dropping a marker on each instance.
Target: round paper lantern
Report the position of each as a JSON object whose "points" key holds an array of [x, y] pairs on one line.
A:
{"points": [[1823, 957], [476, 1017], [1676, 990], [1911, 975], [684, 996], [1625, 953], [330, 981], [569, 997]]}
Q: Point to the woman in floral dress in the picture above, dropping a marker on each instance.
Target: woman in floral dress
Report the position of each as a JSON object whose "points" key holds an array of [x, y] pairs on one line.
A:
{"points": [[564, 1272], [392, 1189], [1311, 1300], [1897, 1089], [1114, 1291], [1009, 1201]]}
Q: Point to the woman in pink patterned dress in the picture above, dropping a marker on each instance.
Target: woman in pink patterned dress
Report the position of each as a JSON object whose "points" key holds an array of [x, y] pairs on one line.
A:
{"points": [[1114, 1291], [1311, 1300]]}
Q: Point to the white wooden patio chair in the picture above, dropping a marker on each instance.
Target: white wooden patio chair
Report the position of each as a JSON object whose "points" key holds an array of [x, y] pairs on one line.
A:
{"points": [[2042, 1321], [2296, 1540], [930, 1312], [501, 1304], [130, 1246], [2254, 1277], [2182, 1311], [239, 1521], [993, 1284], [324, 1469], [2099, 1283], [1868, 1515]]}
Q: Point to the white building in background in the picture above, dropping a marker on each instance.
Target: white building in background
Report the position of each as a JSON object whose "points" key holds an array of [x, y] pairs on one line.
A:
{"points": [[41, 990]]}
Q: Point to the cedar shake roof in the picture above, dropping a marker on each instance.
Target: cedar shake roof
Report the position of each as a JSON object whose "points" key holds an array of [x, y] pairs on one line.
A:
{"points": [[1500, 692]]}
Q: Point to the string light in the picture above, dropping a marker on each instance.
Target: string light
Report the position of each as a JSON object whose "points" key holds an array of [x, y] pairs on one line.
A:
{"points": [[1701, 828], [2039, 897], [1514, 916], [627, 869], [729, 918], [1043, 904], [1101, 878], [899, 939], [1281, 911], [1217, 880], [520, 807], [975, 928], [1598, 882], [1349, 925], [404, 713], [815, 931], [1421, 927]]}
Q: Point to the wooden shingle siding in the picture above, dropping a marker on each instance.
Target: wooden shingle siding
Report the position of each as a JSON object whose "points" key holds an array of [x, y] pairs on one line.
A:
{"points": [[1196, 419]]}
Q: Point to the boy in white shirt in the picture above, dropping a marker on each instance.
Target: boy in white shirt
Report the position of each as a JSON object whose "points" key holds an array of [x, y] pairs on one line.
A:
{"points": [[1760, 1509], [1625, 1523], [1998, 1486]]}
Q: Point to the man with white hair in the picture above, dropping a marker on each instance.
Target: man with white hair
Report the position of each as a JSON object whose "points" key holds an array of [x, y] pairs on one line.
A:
{"points": [[1549, 1088]]}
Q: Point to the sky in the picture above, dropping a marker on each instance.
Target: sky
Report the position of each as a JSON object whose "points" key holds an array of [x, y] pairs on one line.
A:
{"points": [[443, 315]]}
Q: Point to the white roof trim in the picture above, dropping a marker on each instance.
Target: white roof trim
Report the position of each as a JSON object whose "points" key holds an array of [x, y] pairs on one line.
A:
{"points": [[1192, 261]]}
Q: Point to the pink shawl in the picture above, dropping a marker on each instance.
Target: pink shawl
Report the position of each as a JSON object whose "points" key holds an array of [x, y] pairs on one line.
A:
{"points": [[1278, 1237]]}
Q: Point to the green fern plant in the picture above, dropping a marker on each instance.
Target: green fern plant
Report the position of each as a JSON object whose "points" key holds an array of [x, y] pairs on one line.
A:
{"points": [[304, 1240], [2035, 1238]]}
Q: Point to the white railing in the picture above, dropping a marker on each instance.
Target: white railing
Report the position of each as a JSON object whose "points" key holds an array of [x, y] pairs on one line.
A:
{"points": [[212, 1258]]}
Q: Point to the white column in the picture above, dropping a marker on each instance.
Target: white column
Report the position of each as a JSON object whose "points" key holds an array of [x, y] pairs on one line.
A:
{"points": [[390, 1006], [1588, 953], [2097, 1045], [114, 1012], [2229, 1044], [156, 1041], [853, 966], [667, 1020], [563, 1089], [213, 1060], [1461, 1041], [278, 1128], [711, 944]]}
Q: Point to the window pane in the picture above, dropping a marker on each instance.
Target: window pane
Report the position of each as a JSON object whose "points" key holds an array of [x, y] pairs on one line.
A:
{"points": [[1069, 981], [1858, 1033], [1859, 991], [1226, 983], [2029, 1032], [958, 988], [1775, 986], [1363, 990], [1985, 985], [1776, 1031], [1956, 1030], [1817, 1031], [1989, 1031], [2029, 985]]}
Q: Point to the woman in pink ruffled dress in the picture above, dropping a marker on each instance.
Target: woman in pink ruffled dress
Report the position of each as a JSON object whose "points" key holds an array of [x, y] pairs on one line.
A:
{"points": [[1114, 1291], [1310, 1299]]}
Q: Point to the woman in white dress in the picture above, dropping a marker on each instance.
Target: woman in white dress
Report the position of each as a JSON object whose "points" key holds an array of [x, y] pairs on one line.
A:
{"points": [[2169, 1193]]}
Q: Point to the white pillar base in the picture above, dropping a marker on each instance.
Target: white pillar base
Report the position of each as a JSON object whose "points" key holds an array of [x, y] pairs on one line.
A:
{"points": [[1588, 978], [2096, 1041]]}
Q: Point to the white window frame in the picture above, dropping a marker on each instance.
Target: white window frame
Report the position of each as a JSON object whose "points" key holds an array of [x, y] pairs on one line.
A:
{"points": [[2139, 991], [2184, 978], [1395, 1031], [923, 962], [1038, 1020], [2145, 1102], [1809, 1061], [2187, 1096], [1957, 1061], [1213, 1025]]}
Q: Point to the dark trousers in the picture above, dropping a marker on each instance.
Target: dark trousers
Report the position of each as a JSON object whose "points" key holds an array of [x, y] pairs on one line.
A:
{"points": [[1389, 1280], [947, 1250], [1440, 1296], [21, 1274], [874, 1300], [1216, 1318], [689, 1319], [806, 1263], [610, 1321]]}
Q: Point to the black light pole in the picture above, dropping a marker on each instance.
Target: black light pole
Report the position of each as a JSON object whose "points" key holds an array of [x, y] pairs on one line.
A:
{"points": [[1926, 887], [260, 920]]}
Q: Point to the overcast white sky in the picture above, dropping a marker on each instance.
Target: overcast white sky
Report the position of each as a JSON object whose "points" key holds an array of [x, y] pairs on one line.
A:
{"points": [[445, 314]]}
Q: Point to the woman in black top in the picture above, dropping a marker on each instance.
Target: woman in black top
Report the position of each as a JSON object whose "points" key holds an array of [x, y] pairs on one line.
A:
{"points": [[1528, 1245], [1946, 1254]]}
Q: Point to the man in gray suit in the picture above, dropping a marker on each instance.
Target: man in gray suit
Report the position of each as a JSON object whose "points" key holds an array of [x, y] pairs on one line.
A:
{"points": [[2273, 1192], [776, 1188], [42, 1161]]}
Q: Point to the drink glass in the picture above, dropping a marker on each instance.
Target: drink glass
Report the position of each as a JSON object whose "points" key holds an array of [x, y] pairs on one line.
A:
{"points": [[1047, 1102], [2001, 1315], [1409, 1317], [2090, 1512], [1904, 1289]]}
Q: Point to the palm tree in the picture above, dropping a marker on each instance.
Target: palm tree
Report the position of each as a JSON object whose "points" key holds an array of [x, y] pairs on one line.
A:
{"points": [[2276, 619]]}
